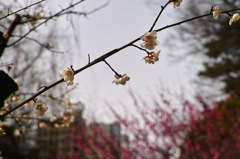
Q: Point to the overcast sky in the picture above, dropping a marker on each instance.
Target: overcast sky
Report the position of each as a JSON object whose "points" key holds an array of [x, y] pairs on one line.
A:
{"points": [[113, 26]]}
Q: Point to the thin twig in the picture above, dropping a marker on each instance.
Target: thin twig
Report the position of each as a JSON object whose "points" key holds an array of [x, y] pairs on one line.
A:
{"points": [[43, 87], [162, 8], [33, 19], [86, 13], [100, 59], [49, 18], [46, 46], [111, 68], [31, 98], [9, 14], [141, 49], [89, 60], [191, 19], [21, 117], [6, 64]]}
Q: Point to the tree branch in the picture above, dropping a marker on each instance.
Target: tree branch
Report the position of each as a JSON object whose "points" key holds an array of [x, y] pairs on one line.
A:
{"points": [[111, 68], [191, 19], [162, 8], [102, 58], [141, 49], [9, 14], [45, 21], [4, 39]]}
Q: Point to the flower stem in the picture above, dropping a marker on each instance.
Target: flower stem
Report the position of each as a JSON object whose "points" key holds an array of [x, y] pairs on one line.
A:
{"points": [[111, 68]]}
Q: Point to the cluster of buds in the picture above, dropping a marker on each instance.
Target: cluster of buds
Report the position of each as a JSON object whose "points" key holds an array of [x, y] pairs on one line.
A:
{"points": [[24, 116], [40, 108], [5, 35], [216, 12], [153, 57], [53, 118], [65, 120], [176, 3], [150, 40], [2, 131], [234, 18], [67, 75], [121, 79], [42, 125], [19, 132], [68, 117]]}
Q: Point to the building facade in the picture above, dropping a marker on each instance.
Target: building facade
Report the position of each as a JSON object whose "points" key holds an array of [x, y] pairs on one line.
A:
{"points": [[78, 140]]}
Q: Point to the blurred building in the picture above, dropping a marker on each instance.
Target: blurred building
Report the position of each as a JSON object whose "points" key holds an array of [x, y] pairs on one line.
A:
{"points": [[68, 142], [56, 142]]}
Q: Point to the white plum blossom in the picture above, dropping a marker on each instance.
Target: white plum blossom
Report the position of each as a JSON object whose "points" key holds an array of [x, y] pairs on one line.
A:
{"points": [[19, 132], [216, 12], [149, 36], [150, 45], [152, 58], [150, 39], [2, 131], [149, 59], [40, 108], [53, 118], [234, 18], [156, 55], [56, 125], [67, 117], [42, 125], [176, 3], [68, 75], [121, 79]]}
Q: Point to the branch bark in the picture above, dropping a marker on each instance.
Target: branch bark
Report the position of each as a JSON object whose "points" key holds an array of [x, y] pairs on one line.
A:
{"points": [[3, 39]]}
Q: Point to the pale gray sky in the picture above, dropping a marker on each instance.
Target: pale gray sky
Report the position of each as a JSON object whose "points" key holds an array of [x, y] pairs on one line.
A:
{"points": [[113, 26], [110, 28]]}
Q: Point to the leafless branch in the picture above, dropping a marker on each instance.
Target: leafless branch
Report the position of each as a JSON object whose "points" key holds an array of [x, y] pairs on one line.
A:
{"points": [[162, 8], [141, 49], [6, 64], [111, 68], [191, 19], [33, 19], [9, 14], [4, 38], [45, 21], [45, 45], [101, 59]]}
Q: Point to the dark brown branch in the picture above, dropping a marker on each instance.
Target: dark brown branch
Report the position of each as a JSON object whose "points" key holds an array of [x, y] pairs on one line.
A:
{"points": [[141, 49], [191, 19], [4, 39], [100, 59], [31, 98], [89, 60], [111, 68], [162, 8]]}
